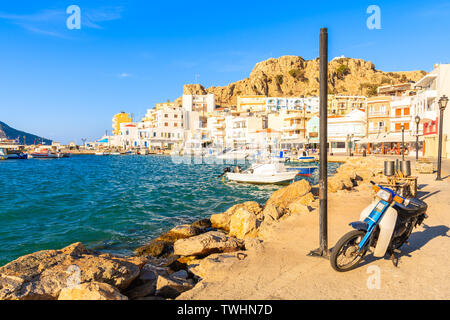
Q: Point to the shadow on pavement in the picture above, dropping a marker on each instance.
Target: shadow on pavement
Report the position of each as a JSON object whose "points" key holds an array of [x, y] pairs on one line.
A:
{"points": [[422, 195], [420, 238]]}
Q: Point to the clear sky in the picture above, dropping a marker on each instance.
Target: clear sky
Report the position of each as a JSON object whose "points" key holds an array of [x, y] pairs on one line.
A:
{"points": [[128, 55]]}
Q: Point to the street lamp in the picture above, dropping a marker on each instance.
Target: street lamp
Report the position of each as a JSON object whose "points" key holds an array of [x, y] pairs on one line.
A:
{"points": [[442, 104], [417, 119], [403, 142]]}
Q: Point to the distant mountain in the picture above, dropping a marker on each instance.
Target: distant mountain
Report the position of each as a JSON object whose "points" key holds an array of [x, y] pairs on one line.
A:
{"points": [[293, 76], [6, 132]]}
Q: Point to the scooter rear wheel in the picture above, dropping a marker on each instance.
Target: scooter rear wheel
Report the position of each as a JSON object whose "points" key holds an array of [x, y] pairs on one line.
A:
{"points": [[345, 255]]}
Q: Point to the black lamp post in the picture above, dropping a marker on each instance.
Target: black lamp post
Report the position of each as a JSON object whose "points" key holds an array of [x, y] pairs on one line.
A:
{"points": [[403, 142], [417, 119], [323, 251], [442, 104]]}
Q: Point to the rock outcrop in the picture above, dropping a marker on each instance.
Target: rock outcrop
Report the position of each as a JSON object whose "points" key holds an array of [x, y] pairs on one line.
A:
{"points": [[91, 291], [295, 76], [207, 243], [43, 274]]}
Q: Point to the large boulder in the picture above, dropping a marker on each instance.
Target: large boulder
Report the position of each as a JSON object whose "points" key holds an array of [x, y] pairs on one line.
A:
{"points": [[271, 213], [43, 274], [364, 174], [297, 207], [91, 291], [334, 184], [164, 243], [345, 179], [207, 243], [283, 197], [222, 220], [243, 224], [168, 287], [307, 199]]}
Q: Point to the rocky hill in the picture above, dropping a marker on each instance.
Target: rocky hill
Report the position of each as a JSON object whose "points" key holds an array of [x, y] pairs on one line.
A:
{"points": [[6, 132], [295, 76]]}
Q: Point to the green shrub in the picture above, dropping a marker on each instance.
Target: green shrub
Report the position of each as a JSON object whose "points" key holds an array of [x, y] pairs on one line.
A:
{"points": [[279, 79], [342, 71]]}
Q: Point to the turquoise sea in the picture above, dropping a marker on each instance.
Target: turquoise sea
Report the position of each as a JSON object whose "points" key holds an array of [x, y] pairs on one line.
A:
{"points": [[109, 203]]}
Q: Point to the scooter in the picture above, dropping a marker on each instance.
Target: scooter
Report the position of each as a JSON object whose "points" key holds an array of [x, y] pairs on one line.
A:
{"points": [[384, 226]]}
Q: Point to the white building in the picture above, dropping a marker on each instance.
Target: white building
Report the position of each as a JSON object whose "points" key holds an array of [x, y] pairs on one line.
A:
{"points": [[201, 103], [340, 128], [162, 128], [425, 104], [238, 129], [309, 104]]}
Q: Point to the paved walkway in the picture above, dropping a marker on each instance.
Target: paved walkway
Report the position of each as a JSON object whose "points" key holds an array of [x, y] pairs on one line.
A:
{"points": [[282, 270]]}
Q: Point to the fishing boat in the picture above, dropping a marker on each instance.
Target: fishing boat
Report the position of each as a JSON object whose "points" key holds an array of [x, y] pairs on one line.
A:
{"points": [[263, 173], [11, 150], [44, 154], [101, 153]]}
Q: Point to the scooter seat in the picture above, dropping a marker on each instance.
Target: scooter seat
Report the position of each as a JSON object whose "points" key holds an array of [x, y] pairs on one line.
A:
{"points": [[415, 207]]}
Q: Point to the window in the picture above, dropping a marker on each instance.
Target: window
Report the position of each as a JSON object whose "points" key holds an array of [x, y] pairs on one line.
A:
{"points": [[406, 112], [398, 127], [166, 124], [398, 112], [166, 115], [175, 124], [175, 116]]}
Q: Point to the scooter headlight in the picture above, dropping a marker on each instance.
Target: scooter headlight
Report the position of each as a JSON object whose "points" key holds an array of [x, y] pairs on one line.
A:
{"points": [[384, 195]]}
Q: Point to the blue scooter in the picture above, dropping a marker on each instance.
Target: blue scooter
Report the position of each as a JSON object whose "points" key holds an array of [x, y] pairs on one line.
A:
{"points": [[385, 225]]}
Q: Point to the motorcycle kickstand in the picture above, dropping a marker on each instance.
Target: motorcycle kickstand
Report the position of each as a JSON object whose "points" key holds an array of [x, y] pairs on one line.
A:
{"points": [[394, 259]]}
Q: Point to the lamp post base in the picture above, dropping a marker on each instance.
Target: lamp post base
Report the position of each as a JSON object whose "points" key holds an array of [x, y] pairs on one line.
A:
{"points": [[319, 253]]}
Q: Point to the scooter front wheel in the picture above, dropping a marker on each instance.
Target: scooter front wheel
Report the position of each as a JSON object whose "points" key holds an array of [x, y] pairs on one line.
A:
{"points": [[345, 255]]}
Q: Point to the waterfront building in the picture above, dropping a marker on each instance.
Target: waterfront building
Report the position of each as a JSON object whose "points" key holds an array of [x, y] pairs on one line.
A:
{"points": [[162, 127], [344, 131], [129, 136], [237, 129], [400, 89], [264, 139], [378, 115], [312, 131], [200, 103], [309, 104], [216, 126], [251, 103], [430, 89], [119, 118], [343, 104]]}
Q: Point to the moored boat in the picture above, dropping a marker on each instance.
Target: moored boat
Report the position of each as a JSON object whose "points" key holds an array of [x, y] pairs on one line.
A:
{"points": [[263, 173], [44, 154]]}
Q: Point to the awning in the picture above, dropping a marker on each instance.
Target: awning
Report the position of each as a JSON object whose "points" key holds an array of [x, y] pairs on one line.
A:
{"points": [[386, 138]]}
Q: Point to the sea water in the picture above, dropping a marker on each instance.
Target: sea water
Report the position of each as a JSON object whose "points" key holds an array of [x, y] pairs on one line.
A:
{"points": [[109, 203]]}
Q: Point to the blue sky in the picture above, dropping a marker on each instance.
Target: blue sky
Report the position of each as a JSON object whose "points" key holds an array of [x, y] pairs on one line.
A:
{"points": [[128, 55]]}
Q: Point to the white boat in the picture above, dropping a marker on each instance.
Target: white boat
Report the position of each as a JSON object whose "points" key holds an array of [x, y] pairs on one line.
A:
{"points": [[264, 173], [100, 153]]}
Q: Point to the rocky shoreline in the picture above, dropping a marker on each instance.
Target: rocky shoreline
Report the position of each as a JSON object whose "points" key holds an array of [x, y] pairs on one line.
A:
{"points": [[176, 261]]}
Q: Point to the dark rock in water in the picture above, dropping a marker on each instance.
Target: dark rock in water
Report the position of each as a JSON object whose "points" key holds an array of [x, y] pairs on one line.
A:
{"points": [[156, 248], [164, 244], [203, 224]]}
